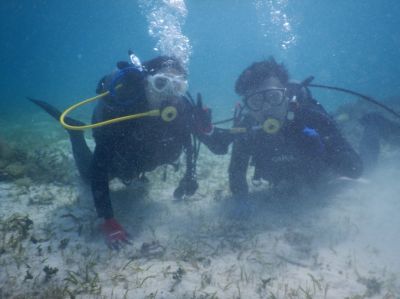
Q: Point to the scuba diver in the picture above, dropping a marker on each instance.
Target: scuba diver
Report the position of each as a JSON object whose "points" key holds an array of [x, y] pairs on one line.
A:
{"points": [[283, 132], [128, 149]]}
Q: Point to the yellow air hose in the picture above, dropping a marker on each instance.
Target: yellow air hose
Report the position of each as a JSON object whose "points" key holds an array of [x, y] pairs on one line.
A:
{"points": [[270, 126], [237, 130], [168, 114]]}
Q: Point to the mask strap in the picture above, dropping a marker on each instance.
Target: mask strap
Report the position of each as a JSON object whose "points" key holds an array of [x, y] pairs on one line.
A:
{"points": [[120, 75]]}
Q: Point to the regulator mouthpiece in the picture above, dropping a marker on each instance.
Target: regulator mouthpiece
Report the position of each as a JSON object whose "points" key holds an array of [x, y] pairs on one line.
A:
{"points": [[169, 113], [271, 125]]}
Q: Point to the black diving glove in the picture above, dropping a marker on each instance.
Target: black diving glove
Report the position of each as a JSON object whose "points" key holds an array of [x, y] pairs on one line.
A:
{"points": [[201, 117], [187, 186]]}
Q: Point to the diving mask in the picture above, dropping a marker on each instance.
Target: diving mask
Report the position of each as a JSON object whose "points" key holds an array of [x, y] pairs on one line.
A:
{"points": [[168, 84], [269, 107], [271, 96]]}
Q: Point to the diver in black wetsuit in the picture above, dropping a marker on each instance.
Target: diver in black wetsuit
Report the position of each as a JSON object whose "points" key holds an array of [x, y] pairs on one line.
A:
{"points": [[129, 149], [283, 132]]}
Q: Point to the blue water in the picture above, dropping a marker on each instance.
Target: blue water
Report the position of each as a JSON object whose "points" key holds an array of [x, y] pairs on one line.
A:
{"points": [[57, 50]]}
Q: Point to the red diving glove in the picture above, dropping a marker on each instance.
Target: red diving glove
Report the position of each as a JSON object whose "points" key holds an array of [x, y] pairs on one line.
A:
{"points": [[114, 234]]}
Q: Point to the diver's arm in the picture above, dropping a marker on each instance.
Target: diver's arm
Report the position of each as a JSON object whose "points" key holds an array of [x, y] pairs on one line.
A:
{"points": [[114, 233], [188, 184], [99, 179], [238, 168], [218, 141], [189, 153], [190, 163]]}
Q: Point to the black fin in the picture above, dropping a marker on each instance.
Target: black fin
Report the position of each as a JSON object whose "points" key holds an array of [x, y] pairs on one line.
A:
{"points": [[54, 112], [80, 150]]}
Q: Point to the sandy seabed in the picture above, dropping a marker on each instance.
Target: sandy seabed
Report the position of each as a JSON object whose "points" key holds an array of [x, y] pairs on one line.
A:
{"points": [[339, 244]]}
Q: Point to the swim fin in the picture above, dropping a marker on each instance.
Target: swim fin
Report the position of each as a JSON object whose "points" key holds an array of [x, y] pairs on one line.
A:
{"points": [[80, 149], [54, 112]]}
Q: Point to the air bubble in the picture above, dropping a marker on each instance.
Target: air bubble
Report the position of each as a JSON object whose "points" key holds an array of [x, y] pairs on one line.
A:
{"points": [[165, 19]]}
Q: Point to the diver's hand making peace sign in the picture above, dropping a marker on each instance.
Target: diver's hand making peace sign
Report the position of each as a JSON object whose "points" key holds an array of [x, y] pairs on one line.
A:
{"points": [[201, 116]]}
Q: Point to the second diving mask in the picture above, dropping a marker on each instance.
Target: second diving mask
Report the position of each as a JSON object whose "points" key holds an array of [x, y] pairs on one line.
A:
{"points": [[271, 96], [269, 108], [168, 84]]}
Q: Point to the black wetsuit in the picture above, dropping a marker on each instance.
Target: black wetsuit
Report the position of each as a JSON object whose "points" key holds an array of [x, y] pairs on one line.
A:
{"points": [[129, 149], [291, 154]]}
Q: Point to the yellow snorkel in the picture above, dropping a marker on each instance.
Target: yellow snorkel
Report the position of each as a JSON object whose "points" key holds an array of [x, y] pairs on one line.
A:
{"points": [[167, 114]]}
